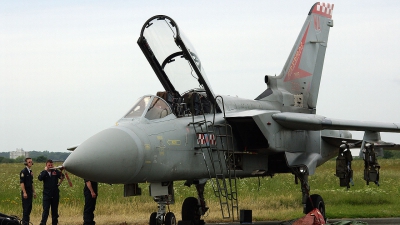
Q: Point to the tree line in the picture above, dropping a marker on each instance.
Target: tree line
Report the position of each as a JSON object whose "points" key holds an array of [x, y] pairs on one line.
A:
{"points": [[36, 156]]}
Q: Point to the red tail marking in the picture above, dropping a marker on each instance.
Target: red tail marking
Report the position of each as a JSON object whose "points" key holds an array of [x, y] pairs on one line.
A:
{"points": [[323, 9], [294, 71]]}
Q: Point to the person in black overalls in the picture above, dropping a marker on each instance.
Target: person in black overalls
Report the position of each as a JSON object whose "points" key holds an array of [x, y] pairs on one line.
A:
{"points": [[51, 194], [90, 192], [27, 190]]}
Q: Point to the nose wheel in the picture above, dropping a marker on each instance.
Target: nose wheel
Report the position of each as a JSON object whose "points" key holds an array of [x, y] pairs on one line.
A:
{"points": [[170, 219], [153, 219], [167, 219]]}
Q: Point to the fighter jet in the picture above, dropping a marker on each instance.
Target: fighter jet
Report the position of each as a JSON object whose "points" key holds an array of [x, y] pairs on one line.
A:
{"points": [[188, 133]]}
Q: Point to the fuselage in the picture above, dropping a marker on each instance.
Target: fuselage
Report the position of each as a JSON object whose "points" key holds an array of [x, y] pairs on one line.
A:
{"points": [[146, 148]]}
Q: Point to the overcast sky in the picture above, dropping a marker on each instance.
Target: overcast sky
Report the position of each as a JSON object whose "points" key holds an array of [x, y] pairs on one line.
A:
{"points": [[69, 69]]}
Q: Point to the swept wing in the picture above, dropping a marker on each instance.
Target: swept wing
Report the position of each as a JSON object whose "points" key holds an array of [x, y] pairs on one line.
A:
{"points": [[298, 121]]}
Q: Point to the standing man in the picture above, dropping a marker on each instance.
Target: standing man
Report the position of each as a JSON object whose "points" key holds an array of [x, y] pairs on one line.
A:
{"points": [[51, 194], [27, 190], [90, 192]]}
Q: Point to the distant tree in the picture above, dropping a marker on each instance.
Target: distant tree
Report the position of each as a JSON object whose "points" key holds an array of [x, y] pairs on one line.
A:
{"points": [[20, 159], [7, 160], [41, 158], [57, 156]]}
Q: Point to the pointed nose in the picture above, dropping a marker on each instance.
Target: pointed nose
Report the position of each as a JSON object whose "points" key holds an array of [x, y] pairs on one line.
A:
{"points": [[114, 155]]}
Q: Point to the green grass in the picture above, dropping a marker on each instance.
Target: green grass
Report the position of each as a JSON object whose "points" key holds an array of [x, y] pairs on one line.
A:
{"points": [[276, 198]]}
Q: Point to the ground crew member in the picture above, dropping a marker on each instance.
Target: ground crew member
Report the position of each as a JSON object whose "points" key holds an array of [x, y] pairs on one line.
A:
{"points": [[27, 190], [51, 193], [90, 193]]}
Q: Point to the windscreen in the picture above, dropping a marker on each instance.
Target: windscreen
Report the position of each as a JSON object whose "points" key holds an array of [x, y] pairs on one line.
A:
{"points": [[139, 107]]}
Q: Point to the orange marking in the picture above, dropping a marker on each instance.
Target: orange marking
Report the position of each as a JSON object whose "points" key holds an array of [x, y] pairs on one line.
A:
{"points": [[69, 180]]}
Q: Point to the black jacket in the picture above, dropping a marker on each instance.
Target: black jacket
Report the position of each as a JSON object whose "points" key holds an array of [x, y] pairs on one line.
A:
{"points": [[26, 177], [50, 182]]}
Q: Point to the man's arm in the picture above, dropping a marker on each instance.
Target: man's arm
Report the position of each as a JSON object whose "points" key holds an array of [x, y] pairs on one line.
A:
{"points": [[22, 183], [89, 185], [42, 175], [24, 194]]}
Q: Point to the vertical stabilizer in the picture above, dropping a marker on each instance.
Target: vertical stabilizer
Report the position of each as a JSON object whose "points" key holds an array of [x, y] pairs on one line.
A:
{"points": [[300, 78]]}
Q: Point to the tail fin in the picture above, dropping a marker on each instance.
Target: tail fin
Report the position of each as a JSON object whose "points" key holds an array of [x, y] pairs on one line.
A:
{"points": [[301, 74]]}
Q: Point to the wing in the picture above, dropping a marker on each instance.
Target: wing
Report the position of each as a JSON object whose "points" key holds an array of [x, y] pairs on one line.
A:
{"points": [[298, 121]]}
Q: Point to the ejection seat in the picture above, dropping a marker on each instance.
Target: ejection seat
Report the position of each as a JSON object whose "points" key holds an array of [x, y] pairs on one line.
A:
{"points": [[177, 104]]}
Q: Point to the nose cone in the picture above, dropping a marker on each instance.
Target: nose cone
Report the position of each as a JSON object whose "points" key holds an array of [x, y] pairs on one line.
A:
{"points": [[111, 156]]}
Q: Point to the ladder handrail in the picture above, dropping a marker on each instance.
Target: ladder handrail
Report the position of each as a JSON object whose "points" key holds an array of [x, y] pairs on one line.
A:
{"points": [[225, 191]]}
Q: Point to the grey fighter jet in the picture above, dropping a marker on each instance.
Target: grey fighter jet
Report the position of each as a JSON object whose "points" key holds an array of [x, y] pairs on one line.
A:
{"points": [[188, 133]]}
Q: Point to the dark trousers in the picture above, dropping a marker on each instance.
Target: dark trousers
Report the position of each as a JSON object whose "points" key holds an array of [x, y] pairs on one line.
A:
{"points": [[90, 206], [47, 203], [26, 207]]}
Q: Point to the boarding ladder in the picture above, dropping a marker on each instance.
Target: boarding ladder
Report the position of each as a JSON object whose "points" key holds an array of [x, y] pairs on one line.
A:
{"points": [[216, 141]]}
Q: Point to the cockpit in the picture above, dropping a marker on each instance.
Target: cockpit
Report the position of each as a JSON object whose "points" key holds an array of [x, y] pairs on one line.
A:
{"points": [[151, 107], [193, 102]]}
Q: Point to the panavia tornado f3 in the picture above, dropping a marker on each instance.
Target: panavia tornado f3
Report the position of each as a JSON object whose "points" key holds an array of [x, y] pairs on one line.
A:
{"points": [[188, 133]]}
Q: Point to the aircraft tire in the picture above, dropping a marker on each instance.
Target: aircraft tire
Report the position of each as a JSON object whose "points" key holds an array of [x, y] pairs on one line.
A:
{"points": [[153, 219], [317, 202], [190, 209], [170, 219]]}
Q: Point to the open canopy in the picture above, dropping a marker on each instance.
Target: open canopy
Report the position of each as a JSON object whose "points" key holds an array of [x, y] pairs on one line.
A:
{"points": [[172, 57]]}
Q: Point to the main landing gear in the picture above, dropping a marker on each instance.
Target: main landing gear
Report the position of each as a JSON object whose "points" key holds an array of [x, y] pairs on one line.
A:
{"points": [[309, 202], [192, 208]]}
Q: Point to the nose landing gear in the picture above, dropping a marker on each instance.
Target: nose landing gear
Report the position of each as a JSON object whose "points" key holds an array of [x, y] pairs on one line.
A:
{"points": [[167, 198]]}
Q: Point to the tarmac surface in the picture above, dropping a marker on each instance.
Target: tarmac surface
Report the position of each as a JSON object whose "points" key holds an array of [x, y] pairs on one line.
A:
{"points": [[370, 221]]}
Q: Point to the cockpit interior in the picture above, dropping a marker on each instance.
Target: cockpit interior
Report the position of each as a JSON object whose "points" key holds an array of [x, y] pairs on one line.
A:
{"points": [[192, 103]]}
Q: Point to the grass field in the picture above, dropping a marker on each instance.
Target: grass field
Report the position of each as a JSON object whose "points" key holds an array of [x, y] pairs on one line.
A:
{"points": [[276, 198]]}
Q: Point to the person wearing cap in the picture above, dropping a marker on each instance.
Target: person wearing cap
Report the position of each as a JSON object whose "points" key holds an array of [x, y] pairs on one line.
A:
{"points": [[51, 178], [27, 190]]}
